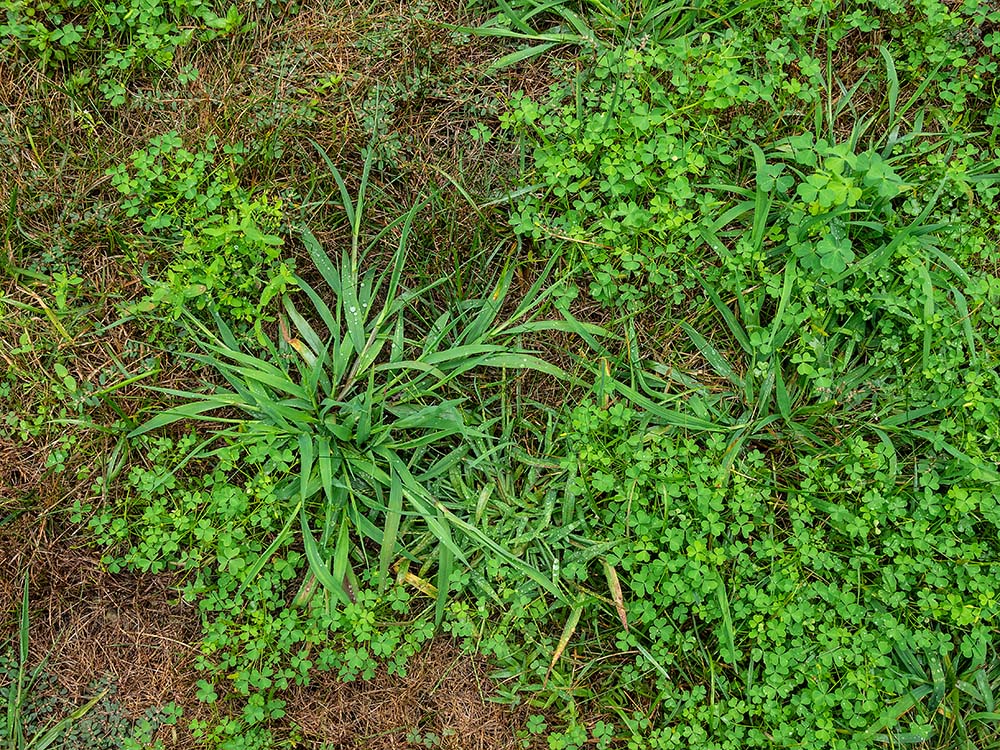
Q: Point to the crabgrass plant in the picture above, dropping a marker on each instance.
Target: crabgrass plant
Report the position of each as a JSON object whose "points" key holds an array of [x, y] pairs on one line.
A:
{"points": [[372, 411]]}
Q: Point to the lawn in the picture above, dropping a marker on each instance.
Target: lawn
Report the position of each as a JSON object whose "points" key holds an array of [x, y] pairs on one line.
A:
{"points": [[494, 374]]}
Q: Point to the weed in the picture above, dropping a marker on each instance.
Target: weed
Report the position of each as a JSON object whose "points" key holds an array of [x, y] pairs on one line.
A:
{"points": [[357, 434], [105, 48], [230, 259]]}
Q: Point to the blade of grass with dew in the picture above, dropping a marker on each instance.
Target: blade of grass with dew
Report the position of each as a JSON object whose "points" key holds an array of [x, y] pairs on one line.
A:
{"points": [[712, 356], [353, 314], [322, 262], [937, 681], [985, 689]]}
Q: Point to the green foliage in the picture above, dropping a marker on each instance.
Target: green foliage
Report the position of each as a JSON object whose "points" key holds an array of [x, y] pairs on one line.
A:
{"points": [[107, 46], [231, 264], [628, 154], [337, 444], [782, 507], [633, 153], [230, 257], [773, 602], [172, 188]]}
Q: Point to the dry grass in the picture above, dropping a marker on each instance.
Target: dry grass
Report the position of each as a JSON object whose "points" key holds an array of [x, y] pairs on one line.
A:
{"points": [[92, 624], [444, 693]]}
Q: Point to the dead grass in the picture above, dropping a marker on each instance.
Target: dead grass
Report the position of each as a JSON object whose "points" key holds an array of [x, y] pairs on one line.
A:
{"points": [[445, 694], [92, 624]]}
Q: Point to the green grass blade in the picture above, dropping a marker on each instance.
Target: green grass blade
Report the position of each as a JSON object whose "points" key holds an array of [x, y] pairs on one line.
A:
{"points": [[712, 356], [963, 310], [44, 741], [762, 200], [514, 361], [520, 55], [184, 411], [927, 289], [937, 681], [16, 697], [653, 661], [354, 315], [326, 315], [477, 330], [341, 555], [317, 565], [359, 204], [305, 329], [892, 91], [985, 689], [322, 261], [390, 531], [893, 714], [345, 194], [446, 564], [306, 453], [251, 573], [735, 327]]}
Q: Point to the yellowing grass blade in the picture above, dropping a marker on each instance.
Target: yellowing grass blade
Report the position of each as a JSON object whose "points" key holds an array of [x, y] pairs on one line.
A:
{"points": [[615, 587], [424, 587], [568, 629]]}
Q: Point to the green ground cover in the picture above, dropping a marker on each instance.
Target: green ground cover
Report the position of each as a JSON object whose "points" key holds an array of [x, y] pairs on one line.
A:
{"points": [[647, 349]]}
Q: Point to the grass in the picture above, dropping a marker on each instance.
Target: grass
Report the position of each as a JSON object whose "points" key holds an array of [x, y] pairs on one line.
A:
{"points": [[646, 350]]}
